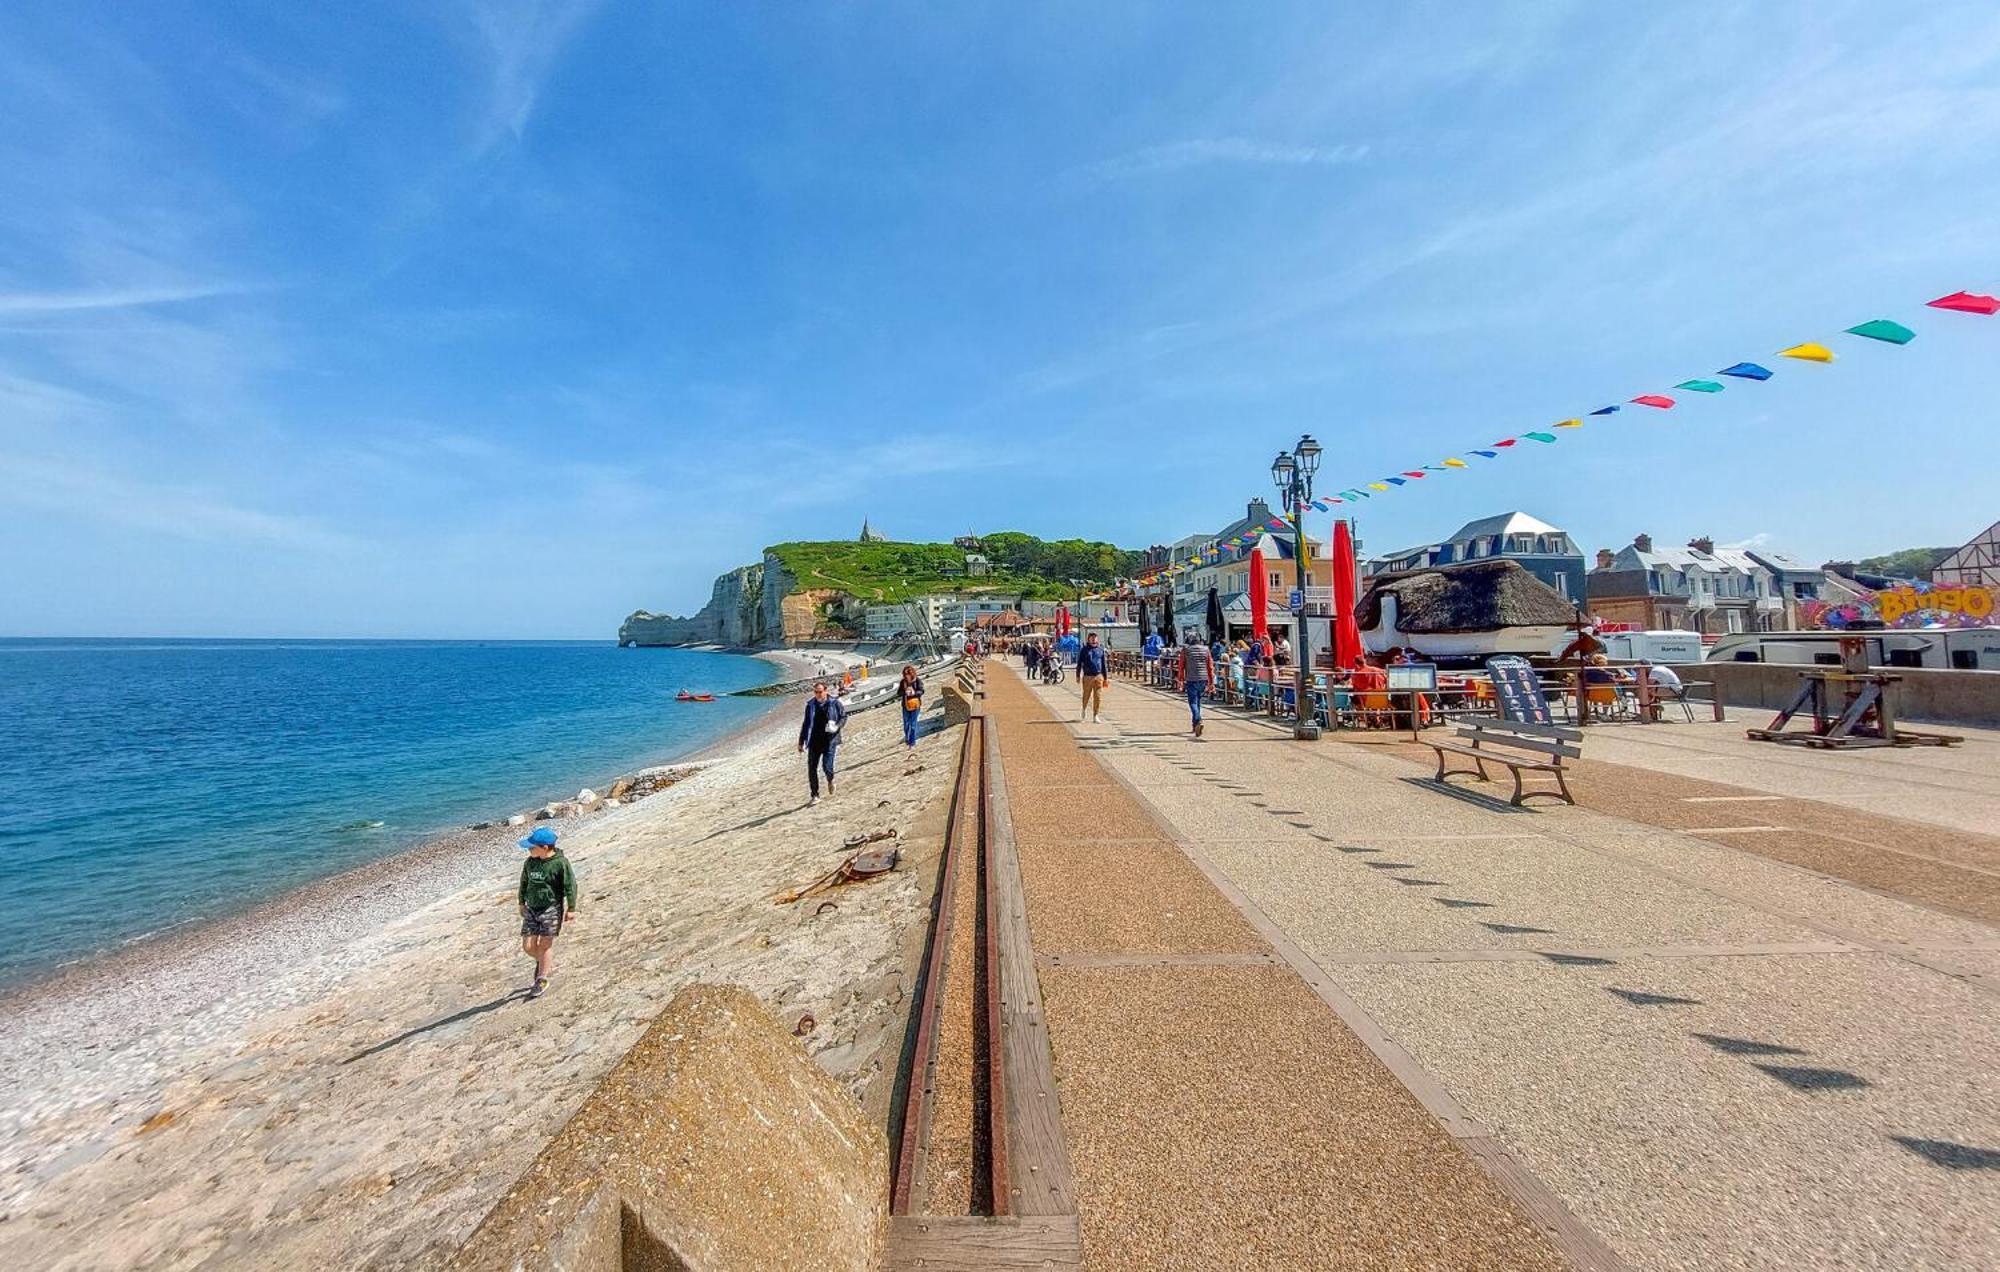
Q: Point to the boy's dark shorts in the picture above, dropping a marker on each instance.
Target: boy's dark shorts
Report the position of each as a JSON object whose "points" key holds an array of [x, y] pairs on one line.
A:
{"points": [[543, 922]]}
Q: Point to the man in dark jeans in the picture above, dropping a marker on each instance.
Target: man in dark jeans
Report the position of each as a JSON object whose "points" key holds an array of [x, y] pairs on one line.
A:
{"points": [[1197, 671], [819, 737], [1093, 673]]}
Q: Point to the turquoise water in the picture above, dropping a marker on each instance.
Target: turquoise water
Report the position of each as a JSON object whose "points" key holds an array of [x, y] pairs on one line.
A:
{"points": [[149, 783]]}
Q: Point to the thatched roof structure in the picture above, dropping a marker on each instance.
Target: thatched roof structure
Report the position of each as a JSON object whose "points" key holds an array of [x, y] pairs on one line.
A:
{"points": [[1479, 596]]}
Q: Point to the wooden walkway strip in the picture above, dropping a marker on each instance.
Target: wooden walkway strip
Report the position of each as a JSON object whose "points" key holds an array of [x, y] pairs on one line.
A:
{"points": [[1042, 1182], [906, 1174], [972, 1243]]}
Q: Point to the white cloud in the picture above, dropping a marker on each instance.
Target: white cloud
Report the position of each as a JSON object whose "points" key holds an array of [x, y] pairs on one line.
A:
{"points": [[521, 41], [1202, 151], [99, 496], [110, 298]]}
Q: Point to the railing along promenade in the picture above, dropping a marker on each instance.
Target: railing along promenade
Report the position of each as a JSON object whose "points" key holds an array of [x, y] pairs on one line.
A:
{"points": [[1336, 703]]}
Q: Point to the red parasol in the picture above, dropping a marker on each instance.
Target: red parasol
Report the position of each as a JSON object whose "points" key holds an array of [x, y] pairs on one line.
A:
{"points": [[1062, 620], [1346, 631], [1260, 595]]}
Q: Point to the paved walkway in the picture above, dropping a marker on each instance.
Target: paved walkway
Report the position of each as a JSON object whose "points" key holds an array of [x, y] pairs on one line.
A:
{"points": [[1713, 1058]]}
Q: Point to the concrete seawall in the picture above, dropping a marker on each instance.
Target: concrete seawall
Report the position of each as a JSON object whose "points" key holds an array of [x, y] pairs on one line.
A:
{"points": [[1940, 697]]}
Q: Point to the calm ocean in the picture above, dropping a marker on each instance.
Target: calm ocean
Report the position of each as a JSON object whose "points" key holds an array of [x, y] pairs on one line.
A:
{"points": [[148, 783]]}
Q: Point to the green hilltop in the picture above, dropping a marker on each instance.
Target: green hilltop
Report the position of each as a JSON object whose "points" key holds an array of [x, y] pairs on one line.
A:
{"points": [[1022, 565]]}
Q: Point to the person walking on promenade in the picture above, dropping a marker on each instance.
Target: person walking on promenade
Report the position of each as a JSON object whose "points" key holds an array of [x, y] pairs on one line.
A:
{"points": [[1151, 652], [911, 691], [547, 899], [819, 738], [1031, 658], [1197, 670], [1093, 673]]}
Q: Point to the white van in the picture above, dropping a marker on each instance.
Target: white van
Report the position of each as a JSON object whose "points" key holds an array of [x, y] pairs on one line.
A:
{"points": [[1654, 646]]}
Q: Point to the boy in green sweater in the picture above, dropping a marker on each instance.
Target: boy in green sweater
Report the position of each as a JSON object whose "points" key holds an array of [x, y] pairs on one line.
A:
{"points": [[548, 900]]}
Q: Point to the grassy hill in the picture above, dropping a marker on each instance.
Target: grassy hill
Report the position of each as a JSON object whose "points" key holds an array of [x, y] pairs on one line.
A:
{"points": [[889, 572]]}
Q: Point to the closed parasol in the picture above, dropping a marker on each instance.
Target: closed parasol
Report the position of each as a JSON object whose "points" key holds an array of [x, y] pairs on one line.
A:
{"points": [[1167, 632], [1260, 595], [1216, 631], [1346, 631]]}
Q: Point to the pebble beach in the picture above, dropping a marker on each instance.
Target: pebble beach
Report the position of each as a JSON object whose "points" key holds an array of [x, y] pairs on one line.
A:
{"points": [[349, 1075]]}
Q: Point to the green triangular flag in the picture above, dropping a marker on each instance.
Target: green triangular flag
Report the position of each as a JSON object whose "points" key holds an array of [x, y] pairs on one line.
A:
{"points": [[1883, 329], [1699, 386], [1541, 437]]}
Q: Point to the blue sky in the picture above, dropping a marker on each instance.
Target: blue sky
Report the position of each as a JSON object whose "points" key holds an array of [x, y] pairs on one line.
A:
{"points": [[505, 319]]}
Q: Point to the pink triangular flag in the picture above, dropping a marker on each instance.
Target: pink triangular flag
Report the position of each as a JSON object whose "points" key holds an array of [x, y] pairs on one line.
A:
{"points": [[1654, 399], [1967, 303]]}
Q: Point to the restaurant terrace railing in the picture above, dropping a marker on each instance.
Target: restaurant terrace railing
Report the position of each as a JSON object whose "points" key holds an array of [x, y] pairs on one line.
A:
{"points": [[1337, 703]]}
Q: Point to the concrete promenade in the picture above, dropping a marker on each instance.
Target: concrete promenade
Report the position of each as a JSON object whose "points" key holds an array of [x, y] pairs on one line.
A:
{"points": [[1710, 1045]]}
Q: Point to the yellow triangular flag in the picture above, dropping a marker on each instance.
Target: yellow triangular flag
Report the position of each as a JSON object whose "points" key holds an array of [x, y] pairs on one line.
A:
{"points": [[1808, 352], [1376, 485], [1569, 424], [1454, 463]]}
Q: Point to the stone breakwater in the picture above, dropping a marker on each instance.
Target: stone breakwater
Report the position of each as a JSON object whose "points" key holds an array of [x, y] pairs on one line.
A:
{"points": [[354, 1079]]}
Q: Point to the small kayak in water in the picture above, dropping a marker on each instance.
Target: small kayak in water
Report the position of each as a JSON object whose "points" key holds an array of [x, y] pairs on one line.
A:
{"points": [[685, 696]]}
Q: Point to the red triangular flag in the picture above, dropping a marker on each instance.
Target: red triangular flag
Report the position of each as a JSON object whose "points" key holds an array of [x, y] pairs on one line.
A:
{"points": [[1654, 399], [1412, 474], [1509, 442], [1967, 303]]}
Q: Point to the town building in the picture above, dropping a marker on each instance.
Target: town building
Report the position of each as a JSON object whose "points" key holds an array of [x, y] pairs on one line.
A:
{"points": [[1549, 554], [869, 534], [1795, 584], [977, 566], [1976, 564], [966, 611], [1698, 588], [922, 616]]}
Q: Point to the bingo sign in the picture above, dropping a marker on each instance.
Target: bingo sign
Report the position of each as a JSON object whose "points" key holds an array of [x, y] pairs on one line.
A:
{"points": [[1520, 693]]}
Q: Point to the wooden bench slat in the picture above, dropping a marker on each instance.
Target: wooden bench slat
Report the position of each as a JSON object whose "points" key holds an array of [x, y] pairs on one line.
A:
{"points": [[1564, 732], [1525, 744], [1512, 761]]}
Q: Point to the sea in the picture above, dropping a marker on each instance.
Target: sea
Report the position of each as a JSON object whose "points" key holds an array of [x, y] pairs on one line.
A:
{"points": [[150, 784]]}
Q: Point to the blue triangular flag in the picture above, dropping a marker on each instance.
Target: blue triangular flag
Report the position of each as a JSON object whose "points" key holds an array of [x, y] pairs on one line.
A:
{"points": [[1746, 371], [1605, 410], [1396, 481], [1488, 454]]}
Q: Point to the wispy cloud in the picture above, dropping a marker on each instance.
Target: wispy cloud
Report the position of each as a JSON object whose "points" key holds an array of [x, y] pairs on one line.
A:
{"points": [[1202, 151], [111, 298], [99, 496], [520, 42]]}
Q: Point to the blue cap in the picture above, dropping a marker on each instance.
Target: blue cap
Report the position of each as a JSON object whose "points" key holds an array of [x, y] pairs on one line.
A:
{"points": [[542, 838]]}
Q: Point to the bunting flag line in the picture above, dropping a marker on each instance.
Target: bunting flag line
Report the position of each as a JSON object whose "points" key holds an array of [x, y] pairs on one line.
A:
{"points": [[1880, 330]]}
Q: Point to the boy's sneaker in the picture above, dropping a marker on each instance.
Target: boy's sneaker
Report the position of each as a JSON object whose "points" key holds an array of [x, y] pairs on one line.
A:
{"points": [[541, 987], [812, 801]]}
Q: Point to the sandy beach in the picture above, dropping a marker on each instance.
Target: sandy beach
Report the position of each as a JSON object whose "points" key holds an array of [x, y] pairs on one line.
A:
{"points": [[349, 1076]]}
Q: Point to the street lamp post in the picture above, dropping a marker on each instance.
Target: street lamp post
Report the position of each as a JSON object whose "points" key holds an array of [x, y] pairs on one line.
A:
{"points": [[1293, 472]]}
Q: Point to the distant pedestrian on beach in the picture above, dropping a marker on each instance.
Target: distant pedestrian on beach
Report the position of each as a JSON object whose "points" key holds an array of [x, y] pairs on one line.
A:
{"points": [[1031, 658], [547, 899], [1093, 673], [1197, 670], [819, 737], [911, 691]]}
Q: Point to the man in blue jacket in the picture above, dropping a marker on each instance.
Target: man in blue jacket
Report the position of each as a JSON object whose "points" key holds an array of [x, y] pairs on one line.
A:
{"points": [[1093, 673], [819, 736]]}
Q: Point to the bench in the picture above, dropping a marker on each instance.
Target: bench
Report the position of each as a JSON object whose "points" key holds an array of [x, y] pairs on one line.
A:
{"points": [[1521, 746]]}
